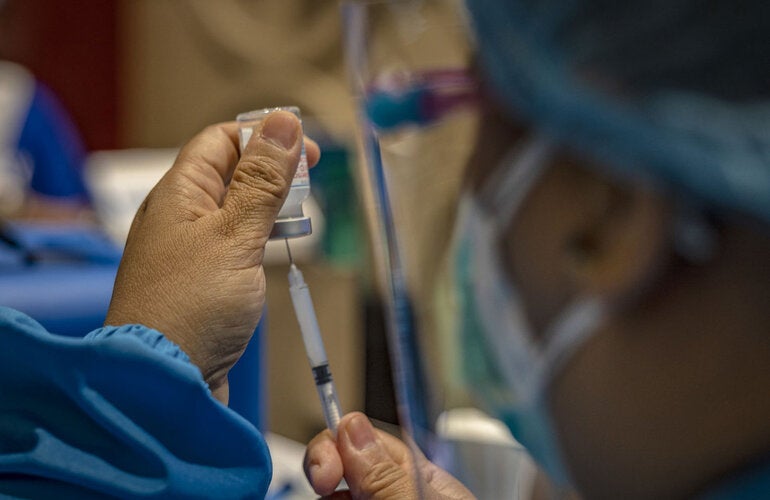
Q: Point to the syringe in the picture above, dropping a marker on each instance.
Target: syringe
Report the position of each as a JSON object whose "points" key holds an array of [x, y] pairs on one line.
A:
{"points": [[314, 347]]}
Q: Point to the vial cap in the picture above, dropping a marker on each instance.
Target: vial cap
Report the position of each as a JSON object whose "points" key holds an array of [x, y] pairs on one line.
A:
{"points": [[291, 228]]}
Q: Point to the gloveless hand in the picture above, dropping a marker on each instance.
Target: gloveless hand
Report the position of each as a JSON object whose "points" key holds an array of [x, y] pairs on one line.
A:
{"points": [[192, 266], [375, 465]]}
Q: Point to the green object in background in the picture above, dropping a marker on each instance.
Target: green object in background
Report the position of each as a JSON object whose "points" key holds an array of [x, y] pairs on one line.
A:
{"points": [[333, 187]]}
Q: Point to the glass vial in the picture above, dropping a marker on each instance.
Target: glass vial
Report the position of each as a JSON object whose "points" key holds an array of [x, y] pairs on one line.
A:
{"points": [[291, 221]]}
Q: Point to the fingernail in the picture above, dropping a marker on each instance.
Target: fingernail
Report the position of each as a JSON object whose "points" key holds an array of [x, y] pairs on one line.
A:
{"points": [[313, 472], [280, 128], [361, 433]]}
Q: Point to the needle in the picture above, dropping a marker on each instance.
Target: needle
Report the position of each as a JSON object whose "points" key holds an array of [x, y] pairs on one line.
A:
{"points": [[288, 250]]}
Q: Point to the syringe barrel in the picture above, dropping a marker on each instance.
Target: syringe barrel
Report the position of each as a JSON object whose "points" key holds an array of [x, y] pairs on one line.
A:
{"points": [[330, 404], [314, 348], [308, 323]]}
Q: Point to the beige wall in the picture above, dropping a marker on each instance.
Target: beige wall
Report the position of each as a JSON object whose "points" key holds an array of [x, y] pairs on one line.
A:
{"points": [[188, 63]]}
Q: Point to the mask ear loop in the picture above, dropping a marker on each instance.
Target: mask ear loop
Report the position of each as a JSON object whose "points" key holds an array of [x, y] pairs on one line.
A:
{"points": [[503, 193], [509, 184], [568, 333], [500, 196]]}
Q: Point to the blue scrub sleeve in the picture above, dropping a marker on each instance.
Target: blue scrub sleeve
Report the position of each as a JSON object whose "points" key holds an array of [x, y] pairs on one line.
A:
{"points": [[121, 412]]}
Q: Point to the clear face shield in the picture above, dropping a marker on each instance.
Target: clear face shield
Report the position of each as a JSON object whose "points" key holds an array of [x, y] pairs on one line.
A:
{"points": [[479, 322], [418, 102]]}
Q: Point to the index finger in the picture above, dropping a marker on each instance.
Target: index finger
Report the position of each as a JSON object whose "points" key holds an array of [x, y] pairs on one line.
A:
{"points": [[312, 151], [216, 146], [322, 464]]}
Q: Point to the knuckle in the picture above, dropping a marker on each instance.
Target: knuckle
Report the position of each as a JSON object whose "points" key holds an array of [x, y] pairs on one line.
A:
{"points": [[224, 227], [210, 132], [264, 175], [244, 219], [212, 137], [383, 478], [189, 159], [212, 129]]}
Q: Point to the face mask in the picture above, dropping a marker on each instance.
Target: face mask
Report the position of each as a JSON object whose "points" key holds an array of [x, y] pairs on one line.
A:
{"points": [[504, 364]]}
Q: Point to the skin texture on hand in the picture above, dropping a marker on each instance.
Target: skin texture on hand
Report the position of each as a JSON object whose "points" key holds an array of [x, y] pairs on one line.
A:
{"points": [[192, 266], [375, 465]]}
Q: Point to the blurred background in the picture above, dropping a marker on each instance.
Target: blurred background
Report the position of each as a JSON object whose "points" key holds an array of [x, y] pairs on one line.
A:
{"points": [[123, 84]]}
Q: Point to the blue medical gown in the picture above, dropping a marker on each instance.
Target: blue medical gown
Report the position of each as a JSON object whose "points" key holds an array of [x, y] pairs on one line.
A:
{"points": [[121, 412]]}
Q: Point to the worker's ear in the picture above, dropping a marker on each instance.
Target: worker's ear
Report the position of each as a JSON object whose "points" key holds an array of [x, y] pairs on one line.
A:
{"points": [[622, 241]]}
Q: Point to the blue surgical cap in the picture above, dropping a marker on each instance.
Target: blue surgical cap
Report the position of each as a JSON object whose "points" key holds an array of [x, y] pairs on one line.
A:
{"points": [[679, 89]]}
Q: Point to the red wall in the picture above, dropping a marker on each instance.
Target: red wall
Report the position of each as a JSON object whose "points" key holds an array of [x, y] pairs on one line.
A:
{"points": [[70, 45]]}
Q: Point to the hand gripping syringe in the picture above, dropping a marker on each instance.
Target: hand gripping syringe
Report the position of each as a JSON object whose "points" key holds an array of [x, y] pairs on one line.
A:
{"points": [[314, 347]]}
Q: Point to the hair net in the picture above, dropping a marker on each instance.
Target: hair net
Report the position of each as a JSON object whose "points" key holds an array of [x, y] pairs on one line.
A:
{"points": [[676, 88]]}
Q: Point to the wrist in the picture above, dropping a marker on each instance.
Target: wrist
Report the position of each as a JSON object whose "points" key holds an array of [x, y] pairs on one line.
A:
{"points": [[211, 346]]}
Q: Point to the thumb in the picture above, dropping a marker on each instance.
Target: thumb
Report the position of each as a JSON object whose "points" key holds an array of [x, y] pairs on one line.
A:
{"points": [[375, 467], [263, 176]]}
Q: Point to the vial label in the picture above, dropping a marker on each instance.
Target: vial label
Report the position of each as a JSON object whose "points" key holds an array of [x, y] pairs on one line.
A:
{"points": [[302, 175]]}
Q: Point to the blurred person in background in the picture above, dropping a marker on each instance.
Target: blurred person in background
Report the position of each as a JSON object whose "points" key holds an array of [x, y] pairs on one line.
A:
{"points": [[41, 152], [602, 284]]}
